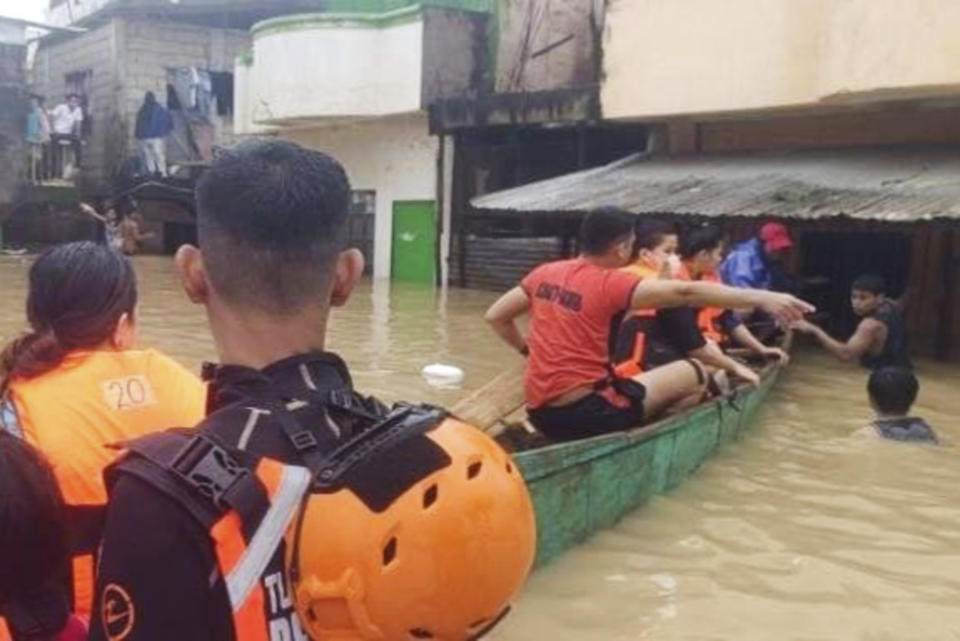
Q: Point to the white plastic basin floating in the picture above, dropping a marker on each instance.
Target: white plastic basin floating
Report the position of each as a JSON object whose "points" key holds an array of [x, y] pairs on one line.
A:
{"points": [[440, 375]]}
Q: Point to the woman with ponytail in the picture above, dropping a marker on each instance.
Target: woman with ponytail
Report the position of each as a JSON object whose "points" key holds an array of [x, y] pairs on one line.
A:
{"points": [[75, 384]]}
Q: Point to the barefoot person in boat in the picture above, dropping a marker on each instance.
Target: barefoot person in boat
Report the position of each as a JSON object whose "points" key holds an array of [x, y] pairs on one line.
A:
{"points": [[570, 387], [880, 339]]}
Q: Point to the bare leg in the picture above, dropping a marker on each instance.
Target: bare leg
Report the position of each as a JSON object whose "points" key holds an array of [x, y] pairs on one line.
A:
{"points": [[672, 387]]}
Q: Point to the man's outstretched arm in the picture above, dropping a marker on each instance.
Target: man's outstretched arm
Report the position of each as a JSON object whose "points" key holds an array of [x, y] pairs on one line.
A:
{"points": [[670, 293]]}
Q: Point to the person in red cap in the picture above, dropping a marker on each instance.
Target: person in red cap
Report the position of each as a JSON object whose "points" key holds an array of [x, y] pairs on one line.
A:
{"points": [[758, 263]]}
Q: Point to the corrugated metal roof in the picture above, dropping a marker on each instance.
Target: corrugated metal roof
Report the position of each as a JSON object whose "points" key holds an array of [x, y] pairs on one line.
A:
{"points": [[892, 185]]}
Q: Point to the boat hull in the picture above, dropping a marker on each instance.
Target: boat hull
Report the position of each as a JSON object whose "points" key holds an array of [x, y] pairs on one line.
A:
{"points": [[582, 487]]}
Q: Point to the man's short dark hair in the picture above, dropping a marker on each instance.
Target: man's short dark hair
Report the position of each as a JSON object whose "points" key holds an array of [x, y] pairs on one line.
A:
{"points": [[603, 228], [893, 390], [652, 231], [271, 220], [698, 239], [870, 283]]}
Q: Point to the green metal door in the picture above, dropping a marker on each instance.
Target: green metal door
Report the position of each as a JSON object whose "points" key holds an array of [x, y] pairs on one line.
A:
{"points": [[414, 241]]}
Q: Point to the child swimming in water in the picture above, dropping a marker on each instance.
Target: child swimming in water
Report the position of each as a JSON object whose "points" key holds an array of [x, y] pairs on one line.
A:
{"points": [[893, 391]]}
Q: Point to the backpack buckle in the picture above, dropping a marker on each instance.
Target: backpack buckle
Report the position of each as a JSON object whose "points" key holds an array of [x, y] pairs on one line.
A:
{"points": [[209, 469]]}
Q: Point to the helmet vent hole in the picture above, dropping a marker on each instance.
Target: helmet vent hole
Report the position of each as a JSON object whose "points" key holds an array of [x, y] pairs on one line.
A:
{"points": [[473, 469], [430, 496], [390, 551], [509, 468], [420, 633]]}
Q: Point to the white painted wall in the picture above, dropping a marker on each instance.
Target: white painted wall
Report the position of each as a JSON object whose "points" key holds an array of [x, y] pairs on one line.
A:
{"points": [[245, 111], [680, 57], [396, 156], [316, 69]]}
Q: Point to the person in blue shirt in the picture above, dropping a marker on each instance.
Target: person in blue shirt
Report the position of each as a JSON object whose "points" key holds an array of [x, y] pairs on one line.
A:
{"points": [[758, 263], [153, 125]]}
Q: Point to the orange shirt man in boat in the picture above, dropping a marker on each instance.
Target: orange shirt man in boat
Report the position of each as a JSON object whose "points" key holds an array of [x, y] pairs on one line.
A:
{"points": [[571, 391]]}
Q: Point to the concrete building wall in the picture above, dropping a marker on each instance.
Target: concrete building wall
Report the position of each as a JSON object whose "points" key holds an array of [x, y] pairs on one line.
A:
{"points": [[13, 113], [547, 45], [62, 13], [676, 57], [127, 57], [151, 48], [93, 51], [395, 156]]}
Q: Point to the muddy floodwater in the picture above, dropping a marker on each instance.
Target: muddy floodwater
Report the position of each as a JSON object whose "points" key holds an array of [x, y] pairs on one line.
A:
{"points": [[795, 533]]}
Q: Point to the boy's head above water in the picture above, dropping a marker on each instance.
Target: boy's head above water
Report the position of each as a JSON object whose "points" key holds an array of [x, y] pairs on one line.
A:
{"points": [[866, 293], [892, 391], [271, 224]]}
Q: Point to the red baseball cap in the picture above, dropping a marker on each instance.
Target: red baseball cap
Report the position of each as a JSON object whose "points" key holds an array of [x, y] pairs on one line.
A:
{"points": [[775, 237]]}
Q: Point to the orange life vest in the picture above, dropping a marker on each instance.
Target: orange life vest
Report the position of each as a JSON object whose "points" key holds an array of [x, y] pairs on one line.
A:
{"points": [[92, 400], [708, 316], [631, 342]]}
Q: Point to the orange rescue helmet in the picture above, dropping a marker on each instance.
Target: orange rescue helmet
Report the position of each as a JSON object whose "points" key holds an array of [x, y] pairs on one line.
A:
{"points": [[442, 561]]}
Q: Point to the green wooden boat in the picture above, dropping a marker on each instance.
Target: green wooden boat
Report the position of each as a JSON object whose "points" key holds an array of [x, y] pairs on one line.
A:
{"points": [[581, 487]]}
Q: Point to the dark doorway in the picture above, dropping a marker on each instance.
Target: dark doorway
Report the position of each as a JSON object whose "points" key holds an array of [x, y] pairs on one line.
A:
{"points": [[831, 261], [177, 234]]}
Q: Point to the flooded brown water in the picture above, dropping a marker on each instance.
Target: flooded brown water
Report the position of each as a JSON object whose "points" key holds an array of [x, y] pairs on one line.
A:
{"points": [[797, 532]]}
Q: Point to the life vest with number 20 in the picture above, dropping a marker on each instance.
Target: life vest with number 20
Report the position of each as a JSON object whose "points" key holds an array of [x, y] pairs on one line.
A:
{"points": [[91, 400]]}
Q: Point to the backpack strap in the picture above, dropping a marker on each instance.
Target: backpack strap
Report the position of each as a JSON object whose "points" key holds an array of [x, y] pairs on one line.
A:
{"points": [[197, 472]]}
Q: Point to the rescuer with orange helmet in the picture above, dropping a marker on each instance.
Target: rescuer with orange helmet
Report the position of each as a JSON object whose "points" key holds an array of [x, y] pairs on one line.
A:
{"points": [[299, 508]]}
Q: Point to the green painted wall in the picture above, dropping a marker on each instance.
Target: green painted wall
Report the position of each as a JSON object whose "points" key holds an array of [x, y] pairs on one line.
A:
{"points": [[413, 257]]}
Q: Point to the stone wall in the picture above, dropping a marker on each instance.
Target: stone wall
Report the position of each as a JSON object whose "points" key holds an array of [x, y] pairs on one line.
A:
{"points": [[12, 120], [151, 47]]}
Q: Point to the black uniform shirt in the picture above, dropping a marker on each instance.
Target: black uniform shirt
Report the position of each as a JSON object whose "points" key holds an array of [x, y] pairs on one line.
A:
{"points": [[158, 576]]}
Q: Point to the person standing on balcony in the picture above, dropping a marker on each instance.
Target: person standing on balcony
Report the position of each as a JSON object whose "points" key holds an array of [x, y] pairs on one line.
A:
{"points": [[66, 120], [153, 125], [37, 135]]}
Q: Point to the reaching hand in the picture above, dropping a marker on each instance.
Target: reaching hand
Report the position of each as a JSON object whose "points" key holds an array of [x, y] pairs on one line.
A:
{"points": [[747, 374], [803, 326], [785, 308], [775, 352]]}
